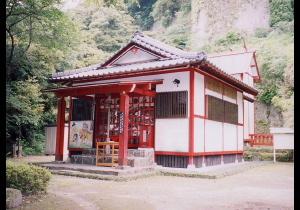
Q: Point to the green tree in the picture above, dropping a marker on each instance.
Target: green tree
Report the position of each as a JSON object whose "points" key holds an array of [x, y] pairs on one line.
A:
{"points": [[281, 10], [141, 12], [38, 37]]}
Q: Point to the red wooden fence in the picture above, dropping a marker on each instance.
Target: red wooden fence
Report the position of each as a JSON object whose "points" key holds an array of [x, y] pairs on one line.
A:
{"points": [[260, 140]]}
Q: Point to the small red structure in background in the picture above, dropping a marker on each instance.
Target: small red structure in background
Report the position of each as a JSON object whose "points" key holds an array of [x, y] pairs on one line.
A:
{"points": [[260, 140]]}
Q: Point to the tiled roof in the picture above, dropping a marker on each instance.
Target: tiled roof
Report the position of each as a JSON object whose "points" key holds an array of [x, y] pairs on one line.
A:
{"points": [[95, 72], [162, 48], [173, 57]]}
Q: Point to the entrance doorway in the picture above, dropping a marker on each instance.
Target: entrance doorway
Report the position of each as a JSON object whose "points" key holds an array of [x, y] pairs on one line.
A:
{"points": [[141, 120]]}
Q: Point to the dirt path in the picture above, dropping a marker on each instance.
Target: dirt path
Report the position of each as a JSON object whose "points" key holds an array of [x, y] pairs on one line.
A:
{"points": [[266, 187]]}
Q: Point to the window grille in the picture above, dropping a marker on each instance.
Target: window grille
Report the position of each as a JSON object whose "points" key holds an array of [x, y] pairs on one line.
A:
{"points": [[230, 112], [82, 109], [215, 108], [222, 111], [171, 104]]}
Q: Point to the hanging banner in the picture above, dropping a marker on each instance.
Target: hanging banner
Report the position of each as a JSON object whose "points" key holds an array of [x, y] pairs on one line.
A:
{"points": [[121, 122], [81, 134]]}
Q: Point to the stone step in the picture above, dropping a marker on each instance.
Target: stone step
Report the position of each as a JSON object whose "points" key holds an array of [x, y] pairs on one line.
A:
{"points": [[141, 153], [140, 162], [114, 171], [83, 159]]}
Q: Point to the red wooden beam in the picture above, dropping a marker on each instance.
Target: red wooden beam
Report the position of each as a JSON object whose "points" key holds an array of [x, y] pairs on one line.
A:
{"points": [[123, 137], [60, 128], [78, 91], [144, 92], [191, 119]]}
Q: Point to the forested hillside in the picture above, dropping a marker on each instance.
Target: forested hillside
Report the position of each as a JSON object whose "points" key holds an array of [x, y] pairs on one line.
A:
{"points": [[48, 36]]}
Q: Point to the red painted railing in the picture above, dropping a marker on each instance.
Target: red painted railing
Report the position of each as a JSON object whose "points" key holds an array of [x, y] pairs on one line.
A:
{"points": [[260, 140]]}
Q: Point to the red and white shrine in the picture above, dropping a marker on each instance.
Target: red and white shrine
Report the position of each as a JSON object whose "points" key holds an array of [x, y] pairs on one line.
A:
{"points": [[190, 108]]}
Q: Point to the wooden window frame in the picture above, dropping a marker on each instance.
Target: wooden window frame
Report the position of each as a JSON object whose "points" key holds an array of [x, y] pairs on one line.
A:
{"points": [[170, 105], [75, 112]]}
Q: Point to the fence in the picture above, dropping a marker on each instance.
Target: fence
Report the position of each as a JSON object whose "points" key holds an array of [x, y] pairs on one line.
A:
{"points": [[260, 140]]}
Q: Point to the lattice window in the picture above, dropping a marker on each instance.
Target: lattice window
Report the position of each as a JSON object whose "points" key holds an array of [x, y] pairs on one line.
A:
{"points": [[230, 112], [222, 111], [215, 108], [171, 104], [82, 109]]}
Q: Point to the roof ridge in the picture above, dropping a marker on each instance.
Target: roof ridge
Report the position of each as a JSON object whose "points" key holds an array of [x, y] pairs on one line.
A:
{"points": [[76, 71], [229, 53], [163, 46]]}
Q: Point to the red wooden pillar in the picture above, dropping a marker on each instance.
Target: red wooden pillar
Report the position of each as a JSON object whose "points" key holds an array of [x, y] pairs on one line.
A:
{"points": [[123, 137], [60, 128], [191, 121]]}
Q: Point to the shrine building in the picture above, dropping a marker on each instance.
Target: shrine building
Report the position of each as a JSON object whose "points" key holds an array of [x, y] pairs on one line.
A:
{"points": [[188, 108]]}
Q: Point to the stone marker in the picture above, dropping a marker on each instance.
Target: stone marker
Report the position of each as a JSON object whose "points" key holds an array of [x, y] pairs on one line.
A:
{"points": [[13, 198]]}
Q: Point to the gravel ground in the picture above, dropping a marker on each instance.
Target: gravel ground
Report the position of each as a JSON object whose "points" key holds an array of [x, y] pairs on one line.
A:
{"points": [[265, 187]]}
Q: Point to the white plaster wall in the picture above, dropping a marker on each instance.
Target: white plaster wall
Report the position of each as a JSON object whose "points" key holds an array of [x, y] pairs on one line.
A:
{"points": [[248, 79], [199, 135], [246, 120], [51, 141], [139, 56], [199, 94], [240, 106], [231, 100], [212, 93], [240, 138], [172, 135], [66, 139], [251, 117], [230, 137], [213, 136]]}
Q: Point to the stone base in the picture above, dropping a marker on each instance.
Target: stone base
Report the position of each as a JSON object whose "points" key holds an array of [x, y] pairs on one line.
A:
{"points": [[123, 167], [13, 198], [191, 166]]}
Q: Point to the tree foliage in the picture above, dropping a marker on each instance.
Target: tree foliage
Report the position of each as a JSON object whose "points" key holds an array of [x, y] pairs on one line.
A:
{"points": [[38, 37], [141, 12], [281, 10], [103, 32], [165, 10]]}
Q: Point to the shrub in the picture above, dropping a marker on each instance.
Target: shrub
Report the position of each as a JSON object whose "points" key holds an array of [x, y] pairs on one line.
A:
{"points": [[262, 32], [29, 179], [281, 10], [230, 39], [266, 154], [35, 146]]}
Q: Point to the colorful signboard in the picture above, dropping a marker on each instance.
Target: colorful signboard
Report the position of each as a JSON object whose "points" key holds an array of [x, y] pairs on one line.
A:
{"points": [[81, 134]]}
